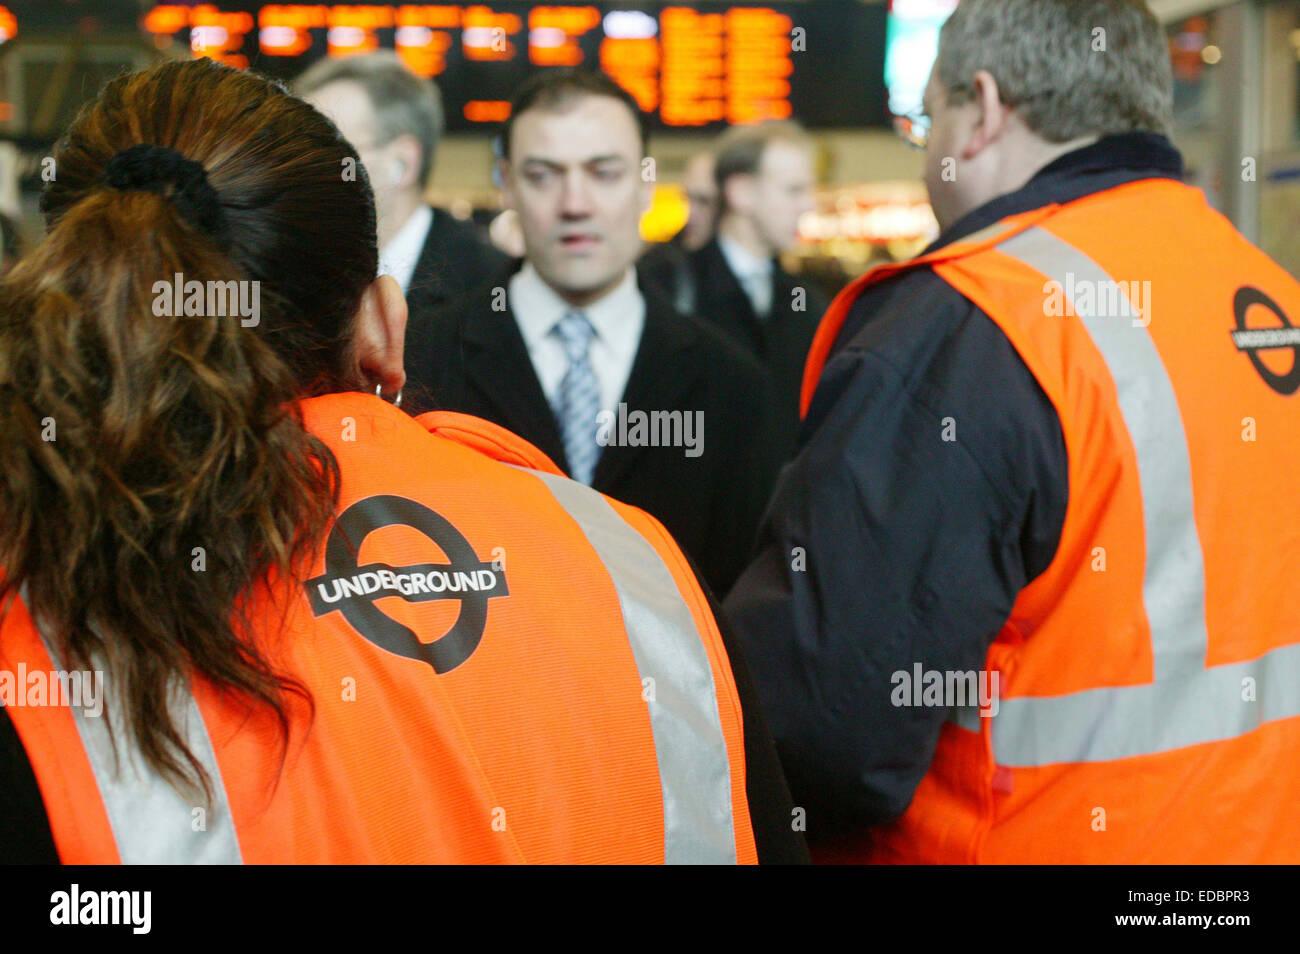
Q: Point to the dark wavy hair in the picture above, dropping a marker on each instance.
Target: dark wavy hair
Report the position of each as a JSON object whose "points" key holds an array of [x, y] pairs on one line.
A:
{"points": [[129, 439]]}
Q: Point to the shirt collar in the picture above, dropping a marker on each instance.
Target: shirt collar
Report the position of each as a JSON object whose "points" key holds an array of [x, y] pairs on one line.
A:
{"points": [[1104, 164], [537, 307], [399, 256], [741, 261]]}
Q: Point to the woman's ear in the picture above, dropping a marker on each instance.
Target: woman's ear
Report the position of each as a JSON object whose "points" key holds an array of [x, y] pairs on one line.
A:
{"points": [[379, 336]]}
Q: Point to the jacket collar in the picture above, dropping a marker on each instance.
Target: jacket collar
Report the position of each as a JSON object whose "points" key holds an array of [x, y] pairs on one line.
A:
{"points": [[1109, 162]]}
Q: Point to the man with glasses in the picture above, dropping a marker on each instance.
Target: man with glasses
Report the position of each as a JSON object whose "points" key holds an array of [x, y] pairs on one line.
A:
{"points": [[394, 119], [1025, 594]]}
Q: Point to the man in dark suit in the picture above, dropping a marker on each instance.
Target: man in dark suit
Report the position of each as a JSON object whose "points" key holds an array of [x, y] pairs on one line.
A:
{"points": [[394, 120], [571, 351], [765, 183]]}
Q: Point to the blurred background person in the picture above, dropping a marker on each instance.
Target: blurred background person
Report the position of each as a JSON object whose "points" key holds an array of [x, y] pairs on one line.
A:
{"points": [[259, 554], [395, 119], [665, 263], [1035, 604], [701, 190], [570, 337], [764, 177]]}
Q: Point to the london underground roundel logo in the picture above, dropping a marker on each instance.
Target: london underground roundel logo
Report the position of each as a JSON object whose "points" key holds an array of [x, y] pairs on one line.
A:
{"points": [[1254, 340], [350, 589]]}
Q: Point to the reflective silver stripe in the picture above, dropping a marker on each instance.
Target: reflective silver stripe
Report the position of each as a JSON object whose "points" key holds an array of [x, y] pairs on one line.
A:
{"points": [[1189, 709], [694, 773], [152, 823], [1173, 585], [1187, 703], [983, 235]]}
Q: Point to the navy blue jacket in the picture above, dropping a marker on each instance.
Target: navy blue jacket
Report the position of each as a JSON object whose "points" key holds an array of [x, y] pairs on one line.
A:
{"points": [[886, 545]]}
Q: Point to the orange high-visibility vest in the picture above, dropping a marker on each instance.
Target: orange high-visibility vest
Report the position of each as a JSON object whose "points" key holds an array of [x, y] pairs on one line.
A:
{"points": [[1150, 678], [506, 666]]}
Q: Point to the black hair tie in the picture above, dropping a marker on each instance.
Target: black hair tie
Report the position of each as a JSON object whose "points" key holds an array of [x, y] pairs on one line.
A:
{"points": [[147, 168]]}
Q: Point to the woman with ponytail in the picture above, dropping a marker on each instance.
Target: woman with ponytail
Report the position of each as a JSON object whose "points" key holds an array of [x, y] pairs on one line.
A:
{"points": [[254, 612]]}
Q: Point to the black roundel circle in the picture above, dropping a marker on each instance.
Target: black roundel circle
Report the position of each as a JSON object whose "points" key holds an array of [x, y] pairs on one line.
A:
{"points": [[350, 589], [1254, 340]]}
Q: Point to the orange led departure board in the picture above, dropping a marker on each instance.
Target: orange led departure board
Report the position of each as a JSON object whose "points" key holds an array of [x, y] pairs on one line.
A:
{"points": [[696, 65]]}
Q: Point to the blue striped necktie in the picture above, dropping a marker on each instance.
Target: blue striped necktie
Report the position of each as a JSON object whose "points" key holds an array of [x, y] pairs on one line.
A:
{"points": [[577, 402]]}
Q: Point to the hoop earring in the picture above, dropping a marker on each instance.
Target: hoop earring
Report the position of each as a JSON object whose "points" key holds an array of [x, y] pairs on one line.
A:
{"points": [[379, 393]]}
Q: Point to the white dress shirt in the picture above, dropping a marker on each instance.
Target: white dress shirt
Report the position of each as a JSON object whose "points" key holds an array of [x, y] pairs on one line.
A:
{"points": [[753, 273], [618, 318], [399, 256]]}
